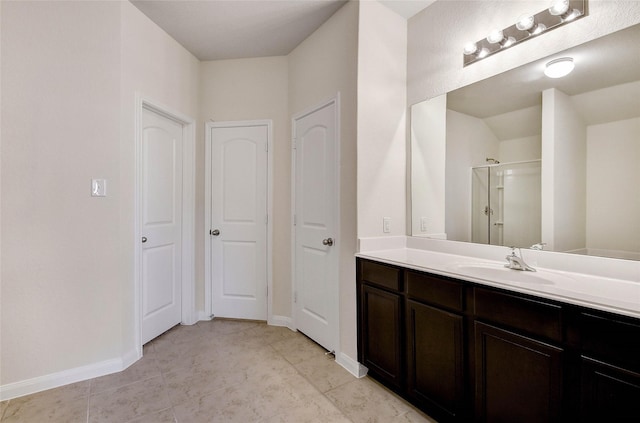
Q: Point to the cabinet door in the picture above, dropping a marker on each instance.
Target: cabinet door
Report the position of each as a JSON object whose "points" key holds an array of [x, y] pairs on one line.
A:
{"points": [[381, 334], [518, 379], [435, 357], [609, 393]]}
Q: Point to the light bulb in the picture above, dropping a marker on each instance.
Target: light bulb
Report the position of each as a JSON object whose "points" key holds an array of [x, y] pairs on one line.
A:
{"points": [[508, 42], [470, 48], [495, 36], [539, 28], [525, 22], [484, 52], [559, 7]]}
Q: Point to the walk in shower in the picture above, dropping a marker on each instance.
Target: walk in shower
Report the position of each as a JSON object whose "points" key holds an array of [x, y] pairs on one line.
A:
{"points": [[505, 204]]}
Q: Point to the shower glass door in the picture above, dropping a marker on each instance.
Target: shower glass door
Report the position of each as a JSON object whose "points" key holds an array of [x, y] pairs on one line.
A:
{"points": [[505, 205]]}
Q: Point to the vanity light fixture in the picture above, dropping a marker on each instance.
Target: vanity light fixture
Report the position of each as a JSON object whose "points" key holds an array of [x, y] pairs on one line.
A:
{"points": [[560, 12], [558, 68]]}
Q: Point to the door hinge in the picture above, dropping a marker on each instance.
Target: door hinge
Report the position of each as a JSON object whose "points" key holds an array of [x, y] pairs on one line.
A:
{"points": [[293, 141], [295, 219], [266, 147], [295, 296], [266, 219]]}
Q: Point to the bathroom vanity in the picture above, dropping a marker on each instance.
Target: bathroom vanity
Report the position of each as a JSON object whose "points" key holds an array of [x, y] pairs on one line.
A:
{"points": [[468, 340]]}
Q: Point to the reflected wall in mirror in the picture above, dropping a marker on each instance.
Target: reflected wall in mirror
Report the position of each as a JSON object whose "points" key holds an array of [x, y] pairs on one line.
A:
{"points": [[522, 159]]}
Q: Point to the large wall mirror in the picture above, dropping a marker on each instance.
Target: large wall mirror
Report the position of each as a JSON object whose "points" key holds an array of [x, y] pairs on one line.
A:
{"points": [[524, 160]]}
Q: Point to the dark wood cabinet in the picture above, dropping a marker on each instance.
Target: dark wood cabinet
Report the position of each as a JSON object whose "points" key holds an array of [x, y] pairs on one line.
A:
{"points": [[382, 334], [610, 367], [463, 351], [609, 393], [518, 379], [435, 356]]}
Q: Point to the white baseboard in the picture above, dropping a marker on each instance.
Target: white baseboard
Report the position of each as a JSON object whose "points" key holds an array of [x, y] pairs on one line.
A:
{"points": [[283, 321], [202, 315], [65, 377], [351, 365]]}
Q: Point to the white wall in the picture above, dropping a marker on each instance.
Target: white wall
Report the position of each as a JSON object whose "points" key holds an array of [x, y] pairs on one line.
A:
{"points": [[613, 186], [320, 67], [381, 120], [70, 71], [253, 89], [520, 149], [428, 158], [60, 128], [564, 149], [469, 142], [154, 65]]}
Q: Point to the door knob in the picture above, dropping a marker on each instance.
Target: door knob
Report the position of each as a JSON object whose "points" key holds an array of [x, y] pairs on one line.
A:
{"points": [[215, 232], [144, 239], [328, 241]]}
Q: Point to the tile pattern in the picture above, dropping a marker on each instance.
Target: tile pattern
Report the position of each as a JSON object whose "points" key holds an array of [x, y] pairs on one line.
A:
{"points": [[221, 371]]}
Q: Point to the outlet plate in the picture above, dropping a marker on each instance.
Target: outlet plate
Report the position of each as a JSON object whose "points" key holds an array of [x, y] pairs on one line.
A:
{"points": [[386, 225], [98, 187]]}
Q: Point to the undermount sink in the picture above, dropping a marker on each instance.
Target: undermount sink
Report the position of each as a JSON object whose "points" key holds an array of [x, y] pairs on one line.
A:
{"points": [[500, 273]]}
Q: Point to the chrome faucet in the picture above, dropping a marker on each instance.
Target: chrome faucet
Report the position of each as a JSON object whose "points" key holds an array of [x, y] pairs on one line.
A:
{"points": [[517, 262]]}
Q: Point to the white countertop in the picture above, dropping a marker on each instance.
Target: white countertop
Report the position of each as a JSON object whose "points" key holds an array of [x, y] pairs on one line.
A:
{"points": [[598, 292]]}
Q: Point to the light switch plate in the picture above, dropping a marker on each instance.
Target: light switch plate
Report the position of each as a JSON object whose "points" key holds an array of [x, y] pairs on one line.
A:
{"points": [[98, 187], [423, 224], [386, 225]]}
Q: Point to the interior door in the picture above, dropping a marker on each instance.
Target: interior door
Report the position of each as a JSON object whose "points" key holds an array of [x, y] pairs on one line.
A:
{"points": [[239, 166], [161, 223], [315, 252]]}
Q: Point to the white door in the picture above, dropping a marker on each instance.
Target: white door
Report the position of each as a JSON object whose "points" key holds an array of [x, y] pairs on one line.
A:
{"points": [[316, 254], [161, 224], [239, 220]]}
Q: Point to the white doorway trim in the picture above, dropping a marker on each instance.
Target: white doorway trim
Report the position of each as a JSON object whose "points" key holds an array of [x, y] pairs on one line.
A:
{"points": [[336, 214], [188, 212], [208, 288]]}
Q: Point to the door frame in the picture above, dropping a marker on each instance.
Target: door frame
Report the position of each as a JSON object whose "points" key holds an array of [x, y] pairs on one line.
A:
{"points": [[336, 214], [208, 284], [188, 212]]}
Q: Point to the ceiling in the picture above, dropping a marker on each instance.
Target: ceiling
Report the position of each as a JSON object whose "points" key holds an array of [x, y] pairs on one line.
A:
{"points": [[235, 29]]}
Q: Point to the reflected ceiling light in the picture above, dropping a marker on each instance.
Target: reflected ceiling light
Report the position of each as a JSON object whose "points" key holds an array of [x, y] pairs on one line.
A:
{"points": [[559, 13], [563, 9], [559, 67], [528, 23]]}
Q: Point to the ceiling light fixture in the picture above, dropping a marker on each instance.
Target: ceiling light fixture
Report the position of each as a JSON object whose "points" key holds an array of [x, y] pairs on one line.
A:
{"points": [[558, 68], [559, 13]]}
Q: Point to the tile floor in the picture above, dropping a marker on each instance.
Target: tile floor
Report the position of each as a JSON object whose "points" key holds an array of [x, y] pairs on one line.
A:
{"points": [[221, 371]]}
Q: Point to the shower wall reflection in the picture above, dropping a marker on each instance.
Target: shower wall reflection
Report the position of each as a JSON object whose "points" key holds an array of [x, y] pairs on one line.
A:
{"points": [[505, 204]]}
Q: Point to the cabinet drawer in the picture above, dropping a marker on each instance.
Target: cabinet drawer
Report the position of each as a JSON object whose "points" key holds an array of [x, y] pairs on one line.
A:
{"points": [[435, 290], [611, 338], [531, 316], [381, 275]]}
